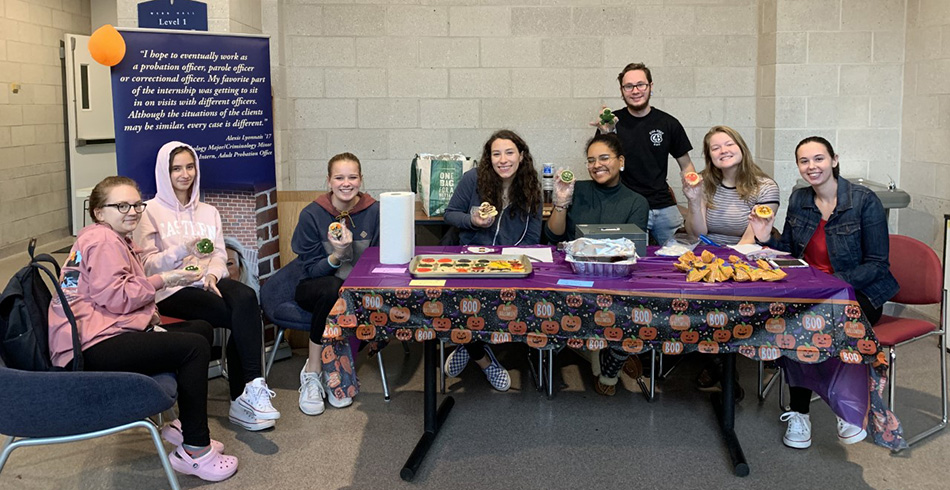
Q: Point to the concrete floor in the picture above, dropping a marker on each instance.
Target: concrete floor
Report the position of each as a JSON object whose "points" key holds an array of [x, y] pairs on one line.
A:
{"points": [[517, 439]]}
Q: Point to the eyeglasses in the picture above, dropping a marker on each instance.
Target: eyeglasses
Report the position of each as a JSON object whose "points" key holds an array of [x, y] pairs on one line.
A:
{"points": [[603, 159], [640, 87], [124, 207]]}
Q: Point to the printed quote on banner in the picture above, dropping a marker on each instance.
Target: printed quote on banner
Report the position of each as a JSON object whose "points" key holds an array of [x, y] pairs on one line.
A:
{"points": [[212, 92]]}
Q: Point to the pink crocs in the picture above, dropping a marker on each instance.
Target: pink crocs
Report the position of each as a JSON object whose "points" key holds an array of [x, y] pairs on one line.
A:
{"points": [[171, 433], [210, 467]]}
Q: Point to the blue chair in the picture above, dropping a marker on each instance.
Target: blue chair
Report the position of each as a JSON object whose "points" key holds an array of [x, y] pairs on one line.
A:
{"points": [[277, 301], [53, 407]]}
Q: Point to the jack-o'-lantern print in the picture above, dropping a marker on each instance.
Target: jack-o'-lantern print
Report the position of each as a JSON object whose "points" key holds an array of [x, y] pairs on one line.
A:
{"points": [[742, 331], [366, 331], [517, 327], [570, 323], [441, 324], [461, 336]]}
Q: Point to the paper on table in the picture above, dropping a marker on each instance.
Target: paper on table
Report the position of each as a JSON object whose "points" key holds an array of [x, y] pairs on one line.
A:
{"points": [[746, 248], [754, 252], [542, 254]]}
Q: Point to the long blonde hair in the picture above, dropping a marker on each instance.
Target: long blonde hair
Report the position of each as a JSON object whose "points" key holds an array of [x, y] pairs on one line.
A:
{"points": [[747, 178]]}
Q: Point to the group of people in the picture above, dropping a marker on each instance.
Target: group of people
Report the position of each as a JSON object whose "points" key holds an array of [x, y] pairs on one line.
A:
{"points": [[838, 227], [139, 258]]}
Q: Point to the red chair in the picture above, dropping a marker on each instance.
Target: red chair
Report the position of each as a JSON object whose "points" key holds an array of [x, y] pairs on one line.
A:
{"points": [[920, 274]]}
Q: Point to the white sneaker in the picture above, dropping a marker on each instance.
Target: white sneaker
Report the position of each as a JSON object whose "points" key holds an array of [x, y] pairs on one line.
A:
{"points": [[330, 381], [311, 393], [798, 433], [256, 397], [850, 433], [241, 414]]}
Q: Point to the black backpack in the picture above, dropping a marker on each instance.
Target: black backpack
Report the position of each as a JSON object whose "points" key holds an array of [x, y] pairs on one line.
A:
{"points": [[24, 317]]}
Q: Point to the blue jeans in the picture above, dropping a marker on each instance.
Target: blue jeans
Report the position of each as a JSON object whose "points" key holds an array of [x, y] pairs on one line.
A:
{"points": [[663, 223]]}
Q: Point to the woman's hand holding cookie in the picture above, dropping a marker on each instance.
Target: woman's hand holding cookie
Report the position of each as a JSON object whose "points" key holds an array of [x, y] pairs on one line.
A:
{"points": [[340, 239], [484, 215]]}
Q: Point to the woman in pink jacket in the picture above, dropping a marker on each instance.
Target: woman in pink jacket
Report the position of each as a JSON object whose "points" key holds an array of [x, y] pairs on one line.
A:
{"points": [[174, 222], [114, 304]]}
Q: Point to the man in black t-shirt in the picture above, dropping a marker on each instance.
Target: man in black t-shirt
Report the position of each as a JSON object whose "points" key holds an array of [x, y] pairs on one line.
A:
{"points": [[649, 136]]}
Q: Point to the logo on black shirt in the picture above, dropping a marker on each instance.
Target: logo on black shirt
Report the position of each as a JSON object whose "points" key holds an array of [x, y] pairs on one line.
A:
{"points": [[656, 136]]}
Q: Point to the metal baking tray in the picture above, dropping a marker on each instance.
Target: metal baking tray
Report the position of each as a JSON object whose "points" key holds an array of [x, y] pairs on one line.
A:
{"points": [[468, 265]]}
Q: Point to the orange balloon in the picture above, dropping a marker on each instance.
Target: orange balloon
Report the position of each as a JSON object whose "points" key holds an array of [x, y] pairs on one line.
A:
{"points": [[107, 46]]}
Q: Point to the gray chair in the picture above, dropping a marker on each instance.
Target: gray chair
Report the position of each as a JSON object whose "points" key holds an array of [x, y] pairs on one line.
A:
{"points": [[64, 406], [277, 301]]}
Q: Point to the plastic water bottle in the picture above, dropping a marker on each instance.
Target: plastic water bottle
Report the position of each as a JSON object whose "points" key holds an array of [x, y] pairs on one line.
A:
{"points": [[547, 182]]}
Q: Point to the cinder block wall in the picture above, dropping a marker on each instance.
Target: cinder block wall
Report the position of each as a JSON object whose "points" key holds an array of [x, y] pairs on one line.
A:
{"points": [[385, 80], [33, 195], [831, 68], [925, 153]]}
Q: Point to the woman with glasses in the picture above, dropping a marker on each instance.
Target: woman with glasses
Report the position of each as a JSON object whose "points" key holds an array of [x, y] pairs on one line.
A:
{"points": [[175, 222], [113, 301], [732, 184], [600, 200], [603, 199], [506, 179]]}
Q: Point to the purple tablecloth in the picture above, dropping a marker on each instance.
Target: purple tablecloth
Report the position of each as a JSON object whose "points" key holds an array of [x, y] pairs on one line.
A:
{"points": [[810, 318]]}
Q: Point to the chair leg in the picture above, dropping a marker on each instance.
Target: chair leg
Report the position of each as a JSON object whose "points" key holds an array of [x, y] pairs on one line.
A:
{"points": [[224, 353], [442, 364], [891, 376], [766, 386], [653, 368], [169, 472], [273, 352], [382, 374], [781, 391], [7, 449]]}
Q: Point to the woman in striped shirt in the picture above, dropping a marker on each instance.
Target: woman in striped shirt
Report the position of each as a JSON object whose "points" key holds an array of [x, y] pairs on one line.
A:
{"points": [[732, 185], [720, 205]]}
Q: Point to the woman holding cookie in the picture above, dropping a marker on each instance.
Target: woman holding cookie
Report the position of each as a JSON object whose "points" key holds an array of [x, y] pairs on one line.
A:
{"points": [[731, 186], [839, 228], [331, 235], [178, 230], [600, 200], [507, 181]]}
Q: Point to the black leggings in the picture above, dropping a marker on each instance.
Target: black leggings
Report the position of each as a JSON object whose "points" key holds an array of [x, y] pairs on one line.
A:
{"points": [[183, 351], [800, 398], [476, 349], [237, 310], [318, 295]]}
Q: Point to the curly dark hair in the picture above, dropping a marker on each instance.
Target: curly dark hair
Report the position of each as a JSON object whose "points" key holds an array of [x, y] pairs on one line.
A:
{"points": [[525, 190]]}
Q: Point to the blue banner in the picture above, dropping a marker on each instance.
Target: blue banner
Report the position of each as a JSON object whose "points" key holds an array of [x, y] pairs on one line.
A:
{"points": [[210, 91]]}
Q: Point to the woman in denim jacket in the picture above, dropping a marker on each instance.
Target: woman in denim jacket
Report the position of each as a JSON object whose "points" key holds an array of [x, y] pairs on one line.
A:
{"points": [[841, 229]]}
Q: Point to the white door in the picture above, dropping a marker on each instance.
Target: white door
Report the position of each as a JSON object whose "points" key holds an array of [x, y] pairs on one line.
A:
{"points": [[89, 123]]}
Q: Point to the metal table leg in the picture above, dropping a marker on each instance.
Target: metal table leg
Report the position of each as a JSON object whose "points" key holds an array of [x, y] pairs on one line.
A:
{"points": [[433, 418], [536, 370], [550, 382], [725, 407], [649, 393]]}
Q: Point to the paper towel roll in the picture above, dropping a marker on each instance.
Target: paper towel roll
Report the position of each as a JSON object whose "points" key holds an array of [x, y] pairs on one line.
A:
{"points": [[397, 227]]}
